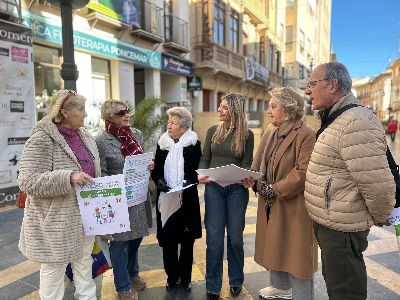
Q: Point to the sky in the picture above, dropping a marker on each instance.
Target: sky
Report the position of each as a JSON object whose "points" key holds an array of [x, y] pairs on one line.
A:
{"points": [[365, 34]]}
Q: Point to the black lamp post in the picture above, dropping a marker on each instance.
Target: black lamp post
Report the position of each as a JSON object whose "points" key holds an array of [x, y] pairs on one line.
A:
{"points": [[69, 71]]}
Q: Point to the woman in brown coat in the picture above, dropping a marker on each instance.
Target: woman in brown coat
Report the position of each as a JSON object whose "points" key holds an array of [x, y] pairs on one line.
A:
{"points": [[285, 242]]}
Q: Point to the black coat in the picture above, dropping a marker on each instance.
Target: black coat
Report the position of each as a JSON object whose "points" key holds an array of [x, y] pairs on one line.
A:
{"points": [[185, 223]]}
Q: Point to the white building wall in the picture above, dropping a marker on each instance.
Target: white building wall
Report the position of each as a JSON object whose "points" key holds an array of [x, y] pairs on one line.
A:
{"points": [[127, 82], [84, 82], [152, 83], [171, 88]]}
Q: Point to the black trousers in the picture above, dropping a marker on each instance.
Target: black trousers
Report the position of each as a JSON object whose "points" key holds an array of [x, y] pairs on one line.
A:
{"points": [[343, 265], [178, 266]]}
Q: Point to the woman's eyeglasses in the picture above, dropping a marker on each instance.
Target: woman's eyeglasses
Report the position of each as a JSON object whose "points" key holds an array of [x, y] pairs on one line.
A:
{"points": [[122, 112]]}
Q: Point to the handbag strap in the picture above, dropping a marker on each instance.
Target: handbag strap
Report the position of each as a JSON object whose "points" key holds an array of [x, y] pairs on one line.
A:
{"points": [[333, 116]]}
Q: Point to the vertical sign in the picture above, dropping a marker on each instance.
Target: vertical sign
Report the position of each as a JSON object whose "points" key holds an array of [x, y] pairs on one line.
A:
{"points": [[17, 104]]}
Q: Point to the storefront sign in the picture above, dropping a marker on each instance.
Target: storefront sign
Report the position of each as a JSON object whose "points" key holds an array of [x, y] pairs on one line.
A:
{"points": [[17, 106], [176, 65], [127, 11], [255, 71], [49, 30], [194, 83]]}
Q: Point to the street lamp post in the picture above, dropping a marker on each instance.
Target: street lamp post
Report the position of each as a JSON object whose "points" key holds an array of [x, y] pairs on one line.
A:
{"points": [[69, 71]]}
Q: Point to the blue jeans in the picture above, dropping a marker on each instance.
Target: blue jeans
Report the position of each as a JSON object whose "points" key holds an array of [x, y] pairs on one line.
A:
{"points": [[224, 207], [124, 259]]}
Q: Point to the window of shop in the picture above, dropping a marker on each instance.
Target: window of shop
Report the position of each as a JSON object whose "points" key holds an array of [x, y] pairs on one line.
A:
{"points": [[234, 31], [219, 22], [47, 65], [101, 91]]}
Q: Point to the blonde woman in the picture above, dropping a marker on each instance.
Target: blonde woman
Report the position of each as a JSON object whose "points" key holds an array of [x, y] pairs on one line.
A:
{"points": [[228, 142], [59, 154], [285, 241]]}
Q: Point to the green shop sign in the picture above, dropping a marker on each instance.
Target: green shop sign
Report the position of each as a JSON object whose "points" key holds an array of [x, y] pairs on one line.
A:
{"points": [[47, 29]]}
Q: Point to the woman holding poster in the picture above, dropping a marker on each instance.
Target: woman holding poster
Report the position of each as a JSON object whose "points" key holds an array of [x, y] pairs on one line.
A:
{"points": [[177, 159], [59, 154], [116, 142]]}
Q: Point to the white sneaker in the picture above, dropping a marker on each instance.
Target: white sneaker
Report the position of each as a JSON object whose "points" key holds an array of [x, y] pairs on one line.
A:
{"points": [[273, 293]]}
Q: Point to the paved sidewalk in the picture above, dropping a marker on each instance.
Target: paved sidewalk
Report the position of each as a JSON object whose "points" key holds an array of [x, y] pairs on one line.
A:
{"points": [[19, 278]]}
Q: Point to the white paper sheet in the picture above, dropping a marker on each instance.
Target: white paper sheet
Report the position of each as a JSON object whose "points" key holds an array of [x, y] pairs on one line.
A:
{"points": [[170, 202], [137, 177], [228, 174], [394, 218], [103, 206]]}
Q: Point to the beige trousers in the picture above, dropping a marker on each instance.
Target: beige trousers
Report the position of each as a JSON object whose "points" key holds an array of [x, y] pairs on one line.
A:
{"points": [[52, 276]]}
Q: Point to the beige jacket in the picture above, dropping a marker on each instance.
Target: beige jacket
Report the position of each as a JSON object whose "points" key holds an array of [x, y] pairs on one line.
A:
{"points": [[52, 230], [348, 183]]}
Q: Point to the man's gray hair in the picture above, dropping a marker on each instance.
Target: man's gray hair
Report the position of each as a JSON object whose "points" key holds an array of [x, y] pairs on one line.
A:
{"points": [[185, 117], [337, 70]]}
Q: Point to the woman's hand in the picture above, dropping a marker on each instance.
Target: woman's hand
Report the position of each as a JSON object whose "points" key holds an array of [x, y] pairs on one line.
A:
{"points": [[150, 166], [204, 179], [81, 178], [248, 182]]}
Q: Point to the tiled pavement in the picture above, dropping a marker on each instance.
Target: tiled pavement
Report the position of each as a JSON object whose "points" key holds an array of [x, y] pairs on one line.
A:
{"points": [[19, 278]]}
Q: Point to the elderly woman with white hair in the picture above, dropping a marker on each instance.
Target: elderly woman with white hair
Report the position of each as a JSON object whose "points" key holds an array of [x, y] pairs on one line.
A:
{"points": [[177, 159], [285, 241], [59, 154]]}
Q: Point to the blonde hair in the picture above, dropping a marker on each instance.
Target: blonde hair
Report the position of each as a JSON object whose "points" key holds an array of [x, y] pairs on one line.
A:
{"points": [[185, 117], [236, 108], [64, 99], [108, 108], [291, 101]]}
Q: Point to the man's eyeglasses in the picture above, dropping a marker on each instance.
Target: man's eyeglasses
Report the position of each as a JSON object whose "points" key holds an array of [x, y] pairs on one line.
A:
{"points": [[313, 83], [66, 98], [122, 112]]}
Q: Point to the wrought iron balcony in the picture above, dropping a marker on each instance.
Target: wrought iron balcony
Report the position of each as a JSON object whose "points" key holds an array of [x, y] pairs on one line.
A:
{"points": [[150, 23], [176, 33]]}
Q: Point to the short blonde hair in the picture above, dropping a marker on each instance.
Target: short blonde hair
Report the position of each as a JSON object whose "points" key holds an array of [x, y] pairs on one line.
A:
{"points": [[291, 101], [64, 99], [108, 108], [185, 117]]}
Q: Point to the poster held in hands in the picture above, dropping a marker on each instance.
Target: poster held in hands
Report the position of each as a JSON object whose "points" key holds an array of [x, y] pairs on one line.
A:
{"points": [[103, 206], [137, 177]]}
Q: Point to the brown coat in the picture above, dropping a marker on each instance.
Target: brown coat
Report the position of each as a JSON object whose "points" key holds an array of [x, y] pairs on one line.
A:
{"points": [[287, 243]]}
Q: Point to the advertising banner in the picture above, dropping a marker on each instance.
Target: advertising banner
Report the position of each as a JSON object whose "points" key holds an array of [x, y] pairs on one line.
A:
{"points": [[17, 104], [255, 71], [49, 29], [127, 11], [176, 65]]}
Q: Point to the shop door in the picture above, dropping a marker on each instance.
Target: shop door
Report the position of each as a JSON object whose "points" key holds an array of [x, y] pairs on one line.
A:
{"points": [[93, 106]]}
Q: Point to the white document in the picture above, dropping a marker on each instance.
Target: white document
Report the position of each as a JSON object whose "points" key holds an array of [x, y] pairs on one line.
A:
{"points": [[394, 218], [228, 174], [103, 206], [170, 202], [136, 177]]}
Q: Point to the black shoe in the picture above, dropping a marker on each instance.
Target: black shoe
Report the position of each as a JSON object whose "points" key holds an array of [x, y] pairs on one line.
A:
{"points": [[212, 296], [186, 286], [235, 290], [170, 286]]}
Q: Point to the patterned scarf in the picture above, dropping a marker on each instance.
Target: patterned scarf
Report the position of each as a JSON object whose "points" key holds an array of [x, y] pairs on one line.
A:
{"points": [[130, 145]]}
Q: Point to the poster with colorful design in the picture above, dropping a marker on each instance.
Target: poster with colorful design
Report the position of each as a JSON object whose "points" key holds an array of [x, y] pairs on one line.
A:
{"points": [[137, 177], [103, 206]]}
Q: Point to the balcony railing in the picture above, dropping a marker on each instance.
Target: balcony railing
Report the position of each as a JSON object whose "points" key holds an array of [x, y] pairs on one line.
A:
{"points": [[214, 56], [151, 22], [176, 33]]}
